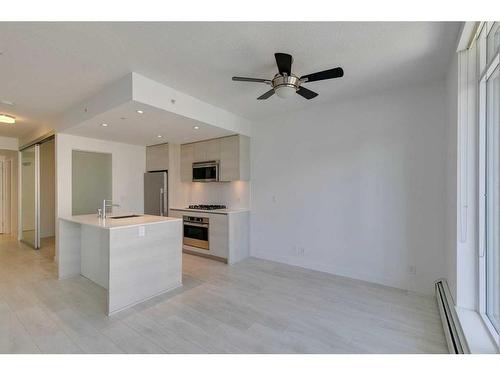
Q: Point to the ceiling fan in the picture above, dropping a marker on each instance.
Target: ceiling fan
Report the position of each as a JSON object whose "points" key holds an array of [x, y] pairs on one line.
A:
{"points": [[284, 83]]}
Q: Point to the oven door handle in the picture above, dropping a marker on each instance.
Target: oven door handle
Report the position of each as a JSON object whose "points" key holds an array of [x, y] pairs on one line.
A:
{"points": [[196, 224]]}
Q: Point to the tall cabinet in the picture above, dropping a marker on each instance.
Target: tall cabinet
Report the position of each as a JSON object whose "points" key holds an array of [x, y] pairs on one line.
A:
{"points": [[157, 157]]}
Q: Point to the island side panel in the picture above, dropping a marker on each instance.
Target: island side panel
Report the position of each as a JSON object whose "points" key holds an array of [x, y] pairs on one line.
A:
{"points": [[95, 254], [68, 252], [143, 265]]}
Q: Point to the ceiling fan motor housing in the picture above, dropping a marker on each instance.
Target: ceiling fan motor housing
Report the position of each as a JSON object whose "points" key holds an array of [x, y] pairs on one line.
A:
{"points": [[284, 84], [291, 81]]}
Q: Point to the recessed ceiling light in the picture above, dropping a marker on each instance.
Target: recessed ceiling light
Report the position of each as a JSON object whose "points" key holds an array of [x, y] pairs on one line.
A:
{"points": [[104, 124], [140, 112], [159, 136], [196, 127], [8, 119]]}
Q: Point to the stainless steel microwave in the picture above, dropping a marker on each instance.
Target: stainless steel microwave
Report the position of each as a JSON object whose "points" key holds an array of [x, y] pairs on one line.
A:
{"points": [[207, 171]]}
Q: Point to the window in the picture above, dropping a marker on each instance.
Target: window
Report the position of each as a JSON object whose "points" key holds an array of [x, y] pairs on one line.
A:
{"points": [[492, 271], [488, 44], [493, 40]]}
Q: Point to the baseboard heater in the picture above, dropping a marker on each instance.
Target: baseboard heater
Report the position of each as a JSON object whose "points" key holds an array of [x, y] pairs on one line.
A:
{"points": [[453, 332]]}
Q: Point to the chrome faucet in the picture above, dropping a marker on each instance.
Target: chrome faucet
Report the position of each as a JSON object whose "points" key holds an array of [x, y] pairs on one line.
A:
{"points": [[101, 212]]}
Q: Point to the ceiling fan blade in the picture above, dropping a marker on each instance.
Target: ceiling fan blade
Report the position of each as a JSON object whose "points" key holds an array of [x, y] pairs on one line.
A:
{"points": [[306, 93], [284, 62], [246, 79], [325, 74], [266, 95]]}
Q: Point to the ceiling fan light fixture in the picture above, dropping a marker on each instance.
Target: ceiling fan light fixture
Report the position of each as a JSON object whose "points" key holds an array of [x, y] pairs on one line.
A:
{"points": [[7, 119], [285, 91], [285, 86]]}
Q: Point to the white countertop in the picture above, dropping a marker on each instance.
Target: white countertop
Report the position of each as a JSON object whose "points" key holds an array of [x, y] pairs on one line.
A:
{"points": [[110, 223], [224, 211]]}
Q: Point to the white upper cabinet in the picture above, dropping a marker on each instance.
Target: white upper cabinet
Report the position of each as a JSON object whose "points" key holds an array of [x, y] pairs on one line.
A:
{"points": [[207, 150], [157, 157], [213, 149], [232, 152], [234, 158], [229, 159], [200, 151]]}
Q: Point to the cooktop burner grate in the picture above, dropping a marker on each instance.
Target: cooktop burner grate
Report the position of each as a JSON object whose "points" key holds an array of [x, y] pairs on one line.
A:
{"points": [[207, 206]]}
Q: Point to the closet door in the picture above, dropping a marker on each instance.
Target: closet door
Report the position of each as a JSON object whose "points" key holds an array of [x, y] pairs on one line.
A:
{"points": [[30, 196]]}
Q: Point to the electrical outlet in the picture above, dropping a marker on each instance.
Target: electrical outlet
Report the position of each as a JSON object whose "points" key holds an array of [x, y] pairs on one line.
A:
{"points": [[412, 269], [142, 231], [301, 251]]}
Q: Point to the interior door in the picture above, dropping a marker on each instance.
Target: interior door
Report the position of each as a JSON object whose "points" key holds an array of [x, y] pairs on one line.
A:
{"points": [[155, 193], [30, 196]]}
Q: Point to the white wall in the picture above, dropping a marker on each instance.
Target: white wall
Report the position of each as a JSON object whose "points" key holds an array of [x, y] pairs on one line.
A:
{"points": [[129, 166], [8, 143], [358, 185]]}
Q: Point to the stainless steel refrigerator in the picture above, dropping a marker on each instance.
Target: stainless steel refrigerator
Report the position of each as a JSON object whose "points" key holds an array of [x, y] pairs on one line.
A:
{"points": [[156, 193]]}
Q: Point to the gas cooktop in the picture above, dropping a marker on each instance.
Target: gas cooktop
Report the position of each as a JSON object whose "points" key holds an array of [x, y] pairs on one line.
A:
{"points": [[207, 206]]}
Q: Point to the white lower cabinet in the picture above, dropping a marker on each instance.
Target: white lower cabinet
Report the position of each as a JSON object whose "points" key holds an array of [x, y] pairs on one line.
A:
{"points": [[218, 236], [227, 234]]}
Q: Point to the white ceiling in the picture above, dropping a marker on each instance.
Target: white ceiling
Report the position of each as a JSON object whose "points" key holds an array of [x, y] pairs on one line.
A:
{"points": [[47, 67], [127, 126]]}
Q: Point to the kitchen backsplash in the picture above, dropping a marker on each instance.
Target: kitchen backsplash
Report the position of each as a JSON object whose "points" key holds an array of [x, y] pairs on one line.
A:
{"points": [[234, 194]]}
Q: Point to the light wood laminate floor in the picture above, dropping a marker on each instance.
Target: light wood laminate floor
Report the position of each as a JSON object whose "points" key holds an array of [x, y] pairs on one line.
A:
{"points": [[255, 306]]}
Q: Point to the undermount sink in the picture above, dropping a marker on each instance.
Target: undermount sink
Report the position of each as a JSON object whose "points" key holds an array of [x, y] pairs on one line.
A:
{"points": [[124, 216]]}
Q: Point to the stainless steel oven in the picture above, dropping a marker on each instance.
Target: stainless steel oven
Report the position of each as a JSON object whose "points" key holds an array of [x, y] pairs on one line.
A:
{"points": [[206, 171], [196, 232]]}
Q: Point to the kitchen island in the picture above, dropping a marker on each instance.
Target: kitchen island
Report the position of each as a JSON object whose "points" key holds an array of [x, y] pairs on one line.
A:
{"points": [[134, 258]]}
